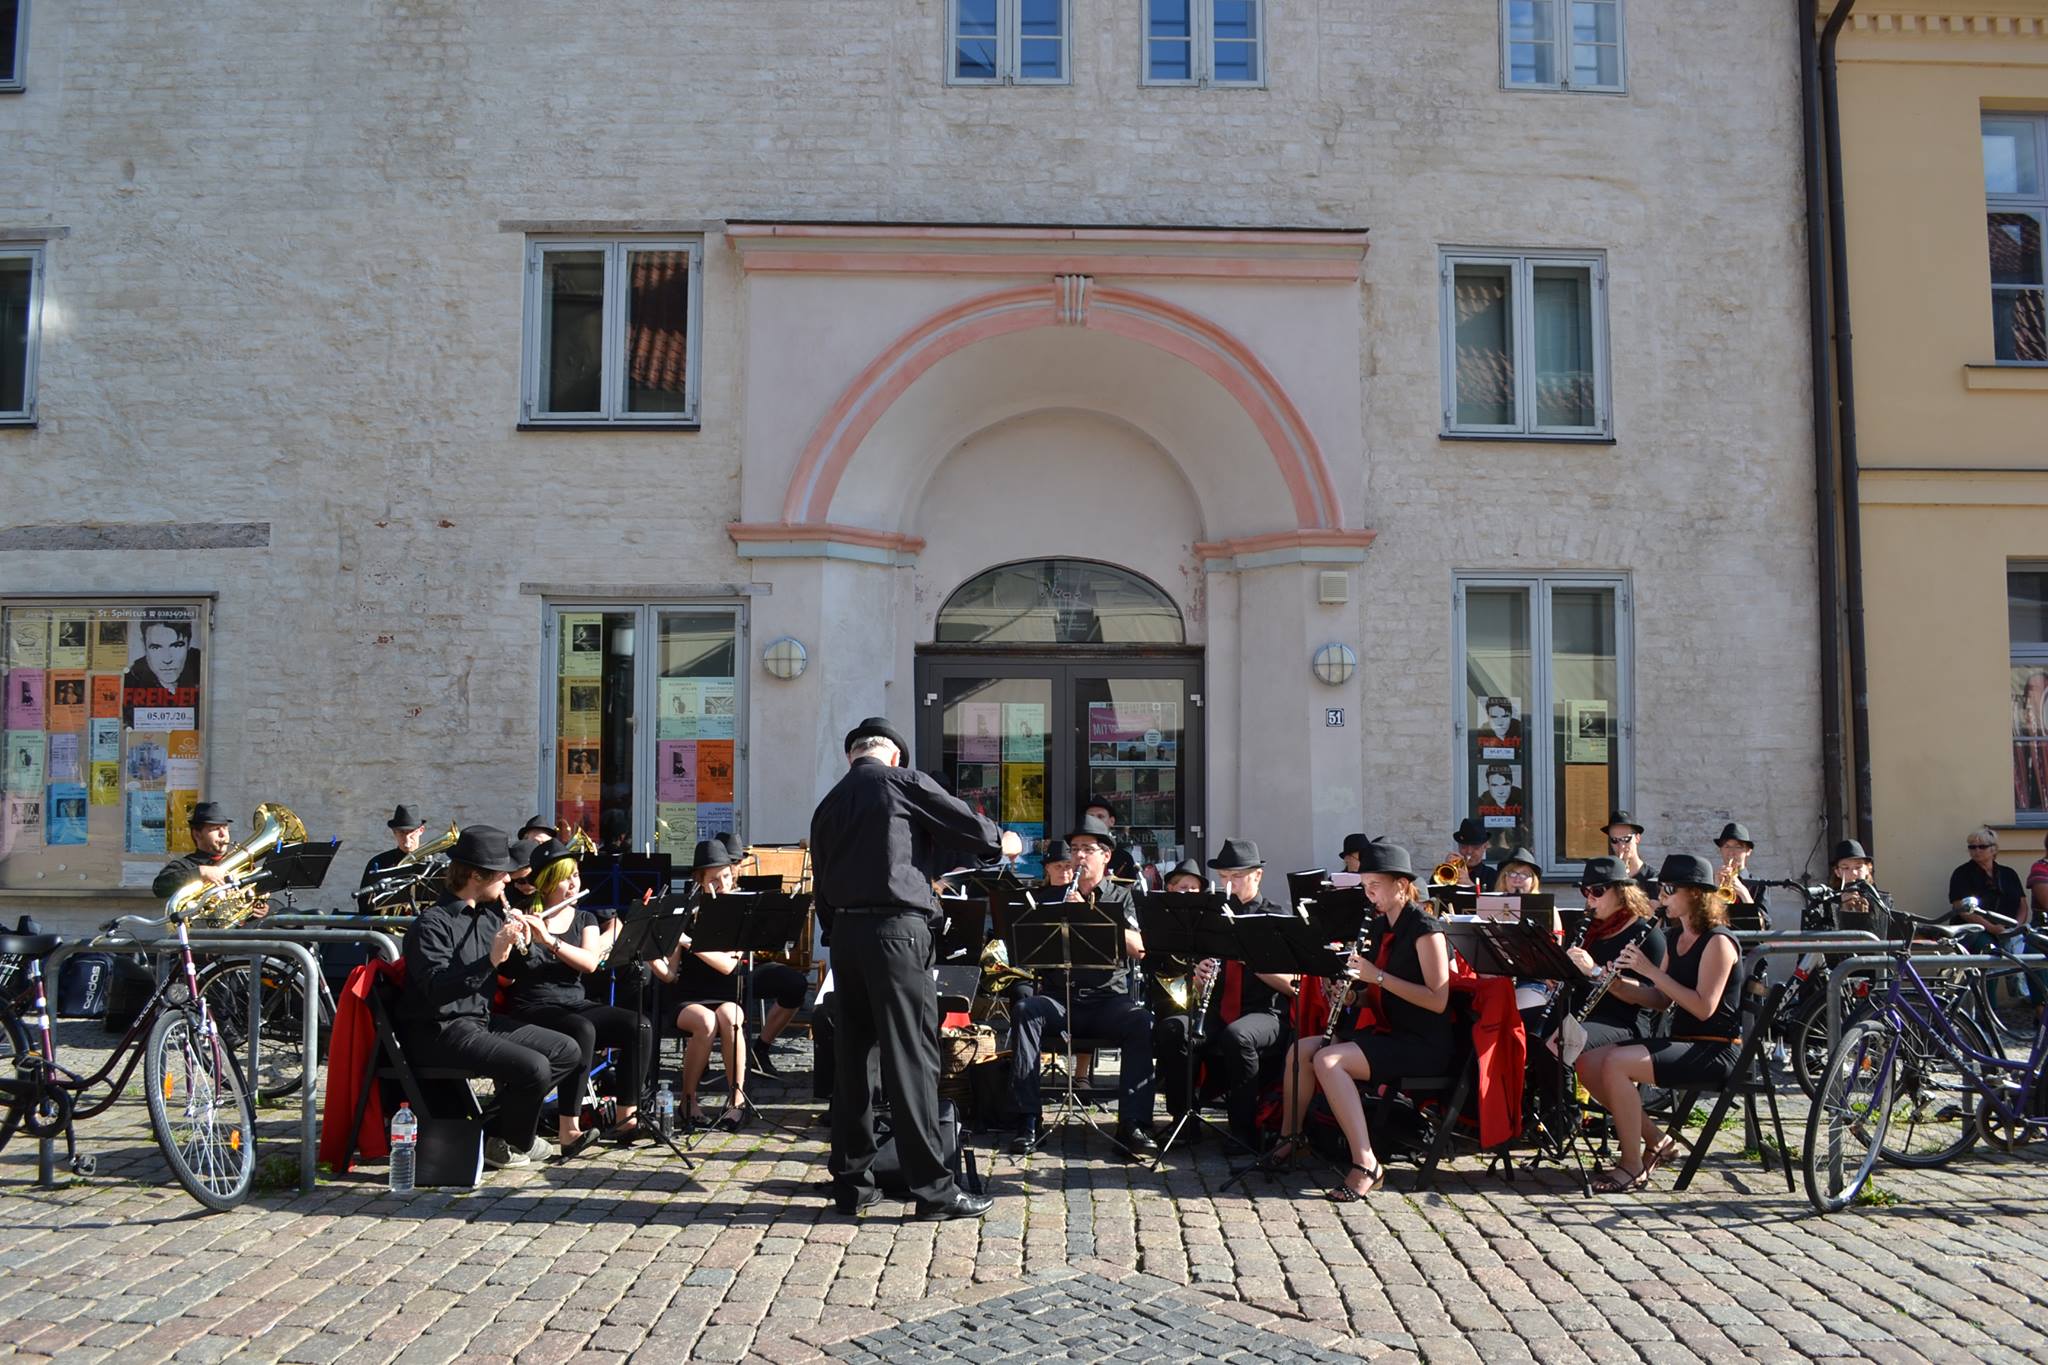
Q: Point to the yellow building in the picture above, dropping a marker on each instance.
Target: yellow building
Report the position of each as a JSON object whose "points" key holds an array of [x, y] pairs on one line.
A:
{"points": [[1944, 132]]}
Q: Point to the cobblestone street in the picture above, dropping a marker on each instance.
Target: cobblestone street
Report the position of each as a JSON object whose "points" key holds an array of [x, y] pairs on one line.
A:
{"points": [[615, 1256]]}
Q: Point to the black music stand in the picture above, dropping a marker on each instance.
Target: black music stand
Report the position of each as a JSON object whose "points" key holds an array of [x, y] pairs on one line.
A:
{"points": [[619, 880], [1190, 927], [647, 934], [1063, 936], [1303, 886], [749, 923], [963, 931]]}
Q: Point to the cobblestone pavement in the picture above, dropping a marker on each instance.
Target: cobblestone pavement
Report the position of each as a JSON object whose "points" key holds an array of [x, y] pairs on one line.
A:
{"points": [[616, 1256]]}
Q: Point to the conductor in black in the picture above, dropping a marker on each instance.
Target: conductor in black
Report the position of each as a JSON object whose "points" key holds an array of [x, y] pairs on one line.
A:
{"points": [[877, 840]]}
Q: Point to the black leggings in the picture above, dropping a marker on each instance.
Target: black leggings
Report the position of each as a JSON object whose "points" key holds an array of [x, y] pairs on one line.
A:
{"points": [[592, 1026]]}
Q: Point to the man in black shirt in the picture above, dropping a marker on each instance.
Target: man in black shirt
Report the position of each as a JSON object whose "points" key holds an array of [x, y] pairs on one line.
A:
{"points": [[452, 956], [1475, 872], [1102, 1007], [212, 836], [1122, 864], [876, 841], [405, 830], [1994, 885]]}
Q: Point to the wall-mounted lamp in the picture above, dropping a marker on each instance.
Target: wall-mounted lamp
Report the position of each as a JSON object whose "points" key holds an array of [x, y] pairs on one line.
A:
{"points": [[1334, 664], [785, 658]]}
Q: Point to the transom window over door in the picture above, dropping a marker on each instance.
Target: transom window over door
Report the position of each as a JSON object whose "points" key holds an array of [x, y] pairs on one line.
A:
{"points": [[1059, 601], [2016, 209]]}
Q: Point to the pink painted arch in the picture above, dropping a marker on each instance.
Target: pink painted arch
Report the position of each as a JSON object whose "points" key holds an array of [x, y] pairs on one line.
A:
{"points": [[1118, 312]]}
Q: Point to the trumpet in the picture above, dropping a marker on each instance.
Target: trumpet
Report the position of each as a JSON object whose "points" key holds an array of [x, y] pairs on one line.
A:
{"points": [[1726, 888], [1449, 872]]}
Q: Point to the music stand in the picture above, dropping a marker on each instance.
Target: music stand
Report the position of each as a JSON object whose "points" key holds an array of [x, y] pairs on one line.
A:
{"points": [[619, 880], [647, 934], [963, 933], [749, 923], [1190, 927], [1302, 886], [1064, 936], [294, 867]]}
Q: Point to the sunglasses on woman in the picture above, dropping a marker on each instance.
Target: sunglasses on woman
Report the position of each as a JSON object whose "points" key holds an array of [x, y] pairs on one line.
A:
{"points": [[1591, 889]]}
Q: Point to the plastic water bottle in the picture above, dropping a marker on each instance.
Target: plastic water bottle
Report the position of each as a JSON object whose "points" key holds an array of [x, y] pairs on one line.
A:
{"points": [[405, 1146], [665, 1111]]}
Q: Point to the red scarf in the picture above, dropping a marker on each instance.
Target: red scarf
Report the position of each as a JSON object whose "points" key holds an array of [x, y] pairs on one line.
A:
{"points": [[1609, 927], [1232, 1004], [1375, 998]]}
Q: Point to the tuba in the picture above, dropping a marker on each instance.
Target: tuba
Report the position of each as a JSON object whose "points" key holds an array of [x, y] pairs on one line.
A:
{"points": [[580, 842], [225, 906]]}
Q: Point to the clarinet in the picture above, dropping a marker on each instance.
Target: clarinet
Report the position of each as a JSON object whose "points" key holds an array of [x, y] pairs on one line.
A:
{"points": [[1339, 987], [1199, 1026], [1600, 984]]}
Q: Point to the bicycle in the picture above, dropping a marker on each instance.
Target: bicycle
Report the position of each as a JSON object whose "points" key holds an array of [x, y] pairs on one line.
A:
{"points": [[199, 1112], [1919, 1059], [224, 985]]}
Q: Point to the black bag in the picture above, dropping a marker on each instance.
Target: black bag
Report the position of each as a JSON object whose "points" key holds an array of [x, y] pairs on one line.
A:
{"points": [[887, 1169], [82, 986], [451, 1154], [128, 990]]}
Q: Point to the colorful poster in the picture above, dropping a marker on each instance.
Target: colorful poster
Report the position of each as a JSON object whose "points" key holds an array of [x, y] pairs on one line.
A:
{"points": [[681, 819], [1023, 792], [66, 704], [582, 645], [105, 738], [181, 773], [25, 698], [680, 706], [24, 820], [106, 696], [64, 759], [582, 710], [1585, 810], [1497, 729], [66, 813], [106, 783], [578, 771], [675, 771], [1586, 732], [67, 648], [28, 642], [714, 819], [714, 772], [178, 818], [160, 690], [145, 822], [1500, 795], [1024, 734], [110, 649], [1032, 863], [148, 760], [718, 720], [981, 725], [25, 762], [980, 786]]}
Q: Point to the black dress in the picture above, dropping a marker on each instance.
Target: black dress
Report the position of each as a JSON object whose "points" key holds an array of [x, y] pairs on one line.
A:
{"points": [[1409, 1040], [1615, 1020], [549, 992], [1700, 1051]]}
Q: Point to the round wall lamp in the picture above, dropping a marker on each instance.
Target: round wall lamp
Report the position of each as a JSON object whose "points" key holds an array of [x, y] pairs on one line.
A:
{"points": [[1334, 664], [785, 658]]}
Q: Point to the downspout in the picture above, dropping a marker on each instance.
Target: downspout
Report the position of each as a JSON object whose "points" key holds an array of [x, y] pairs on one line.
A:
{"points": [[1845, 399], [1833, 766]]}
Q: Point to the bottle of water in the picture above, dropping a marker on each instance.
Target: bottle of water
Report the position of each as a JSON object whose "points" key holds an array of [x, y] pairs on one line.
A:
{"points": [[405, 1146], [665, 1111]]}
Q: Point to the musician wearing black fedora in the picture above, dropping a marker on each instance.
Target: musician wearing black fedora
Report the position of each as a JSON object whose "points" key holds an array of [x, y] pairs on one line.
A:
{"points": [[452, 956], [877, 841], [1245, 1012], [212, 835], [1122, 865], [705, 987], [1471, 837], [1354, 844], [406, 829], [1625, 841], [1734, 845], [1102, 1006]]}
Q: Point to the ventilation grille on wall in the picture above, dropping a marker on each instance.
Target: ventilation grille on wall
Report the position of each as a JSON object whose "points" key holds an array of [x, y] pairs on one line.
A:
{"points": [[1333, 587]]}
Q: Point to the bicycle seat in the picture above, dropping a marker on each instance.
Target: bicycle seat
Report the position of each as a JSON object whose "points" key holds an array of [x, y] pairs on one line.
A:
{"points": [[29, 945], [1949, 932]]}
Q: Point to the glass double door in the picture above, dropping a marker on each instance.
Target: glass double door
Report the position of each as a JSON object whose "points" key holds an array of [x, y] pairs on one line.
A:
{"points": [[1028, 740]]}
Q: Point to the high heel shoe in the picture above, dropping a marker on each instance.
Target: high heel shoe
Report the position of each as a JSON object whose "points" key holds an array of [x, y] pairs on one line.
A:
{"points": [[1375, 1176]]}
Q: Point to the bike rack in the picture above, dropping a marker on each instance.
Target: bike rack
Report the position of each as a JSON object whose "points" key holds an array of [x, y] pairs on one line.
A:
{"points": [[385, 944], [1940, 962]]}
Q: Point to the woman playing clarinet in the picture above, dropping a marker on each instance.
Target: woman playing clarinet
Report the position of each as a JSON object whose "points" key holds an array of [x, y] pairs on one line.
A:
{"points": [[1618, 918], [706, 984]]}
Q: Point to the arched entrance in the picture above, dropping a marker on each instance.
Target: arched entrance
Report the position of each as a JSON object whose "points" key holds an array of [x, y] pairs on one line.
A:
{"points": [[1051, 680]]}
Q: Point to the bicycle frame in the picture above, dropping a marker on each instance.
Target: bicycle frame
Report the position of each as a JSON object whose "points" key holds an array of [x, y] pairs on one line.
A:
{"points": [[1900, 1007]]}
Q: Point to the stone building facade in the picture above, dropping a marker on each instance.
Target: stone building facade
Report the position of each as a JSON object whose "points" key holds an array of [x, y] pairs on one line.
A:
{"points": [[301, 312]]}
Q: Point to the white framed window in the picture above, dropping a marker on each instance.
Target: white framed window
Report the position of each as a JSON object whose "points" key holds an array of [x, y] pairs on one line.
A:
{"points": [[2016, 210], [1544, 739], [1008, 42], [13, 43], [665, 785], [612, 327], [1561, 45], [1204, 42], [21, 331], [1525, 344], [2026, 596]]}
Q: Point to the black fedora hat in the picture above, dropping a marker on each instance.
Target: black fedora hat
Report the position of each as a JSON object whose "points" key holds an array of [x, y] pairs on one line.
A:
{"points": [[403, 818], [1187, 867], [1056, 851], [524, 849], [1848, 848], [1092, 828], [539, 822], [710, 853], [1523, 856], [1237, 855], [1738, 832], [1470, 831], [1687, 869], [485, 847], [1355, 843], [543, 852], [1603, 871], [877, 727], [209, 813], [1621, 817], [1099, 802], [731, 840], [1382, 855]]}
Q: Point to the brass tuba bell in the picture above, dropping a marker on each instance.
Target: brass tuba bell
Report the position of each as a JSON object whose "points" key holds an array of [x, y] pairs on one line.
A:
{"points": [[223, 907], [434, 849]]}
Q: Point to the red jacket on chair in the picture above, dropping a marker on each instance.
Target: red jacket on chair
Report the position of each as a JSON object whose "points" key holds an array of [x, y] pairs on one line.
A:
{"points": [[1502, 1051], [348, 1052]]}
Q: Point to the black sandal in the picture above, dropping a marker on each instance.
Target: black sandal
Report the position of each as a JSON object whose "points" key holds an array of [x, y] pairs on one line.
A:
{"points": [[1374, 1178], [577, 1145], [732, 1118]]}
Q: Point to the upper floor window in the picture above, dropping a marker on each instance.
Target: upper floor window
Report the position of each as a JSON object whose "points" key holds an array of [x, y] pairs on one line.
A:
{"points": [[2026, 597], [2016, 206], [1004, 42], [13, 42], [21, 308], [611, 331], [1204, 42], [1561, 44], [1525, 344]]}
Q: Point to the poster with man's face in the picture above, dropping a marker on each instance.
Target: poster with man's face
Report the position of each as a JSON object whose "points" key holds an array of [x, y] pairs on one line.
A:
{"points": [[160, 690], [1497, 729], [1500, 804]]}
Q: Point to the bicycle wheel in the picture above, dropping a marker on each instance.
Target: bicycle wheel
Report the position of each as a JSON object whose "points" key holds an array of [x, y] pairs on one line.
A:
{"points": [[226, 988], [198, 1110], [2009, 1007], [1845, 1127], [1933, 1116], [1806, 1039]]}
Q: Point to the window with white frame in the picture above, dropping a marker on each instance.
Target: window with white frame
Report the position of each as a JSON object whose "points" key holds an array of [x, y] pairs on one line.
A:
{"points": [[1007, 42], [1561, 45], [1204, 42], [1525, 344], [611, 331], [13, 42], [2016, 208], [21, 327], [1543, 748], [2026, 596]]}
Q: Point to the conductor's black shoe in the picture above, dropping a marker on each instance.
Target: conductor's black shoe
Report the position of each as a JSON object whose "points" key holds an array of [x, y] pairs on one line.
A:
{"points": [[759, 1058], [1026, 1141], [853, 1201], [961, 1205], [1138, 1143]]}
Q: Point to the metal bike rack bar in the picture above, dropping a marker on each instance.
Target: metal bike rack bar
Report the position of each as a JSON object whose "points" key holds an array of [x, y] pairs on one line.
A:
{"points": [[1940, 962], [386, 946]]}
